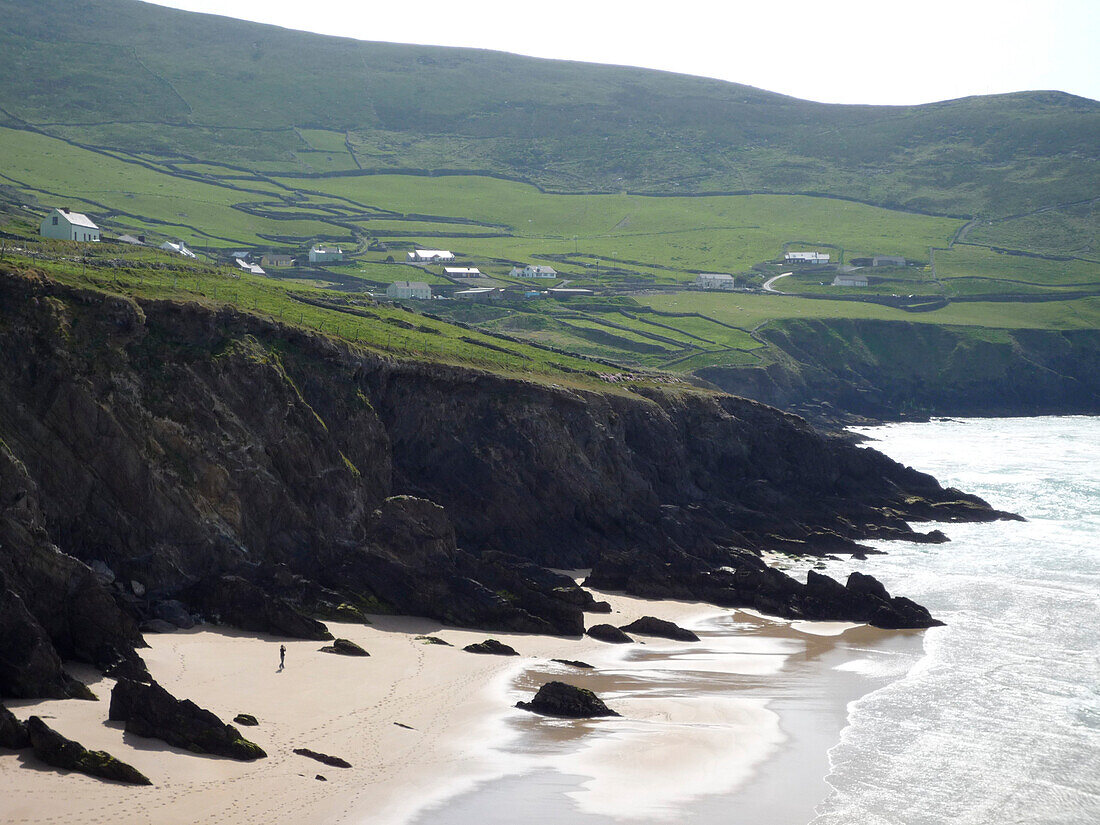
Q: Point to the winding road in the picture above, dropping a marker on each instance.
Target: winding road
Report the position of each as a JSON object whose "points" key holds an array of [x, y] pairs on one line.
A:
{"points": [[768, 283]]}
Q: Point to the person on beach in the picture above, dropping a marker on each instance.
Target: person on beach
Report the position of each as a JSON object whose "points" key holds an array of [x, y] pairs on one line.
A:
{"points": [[282, 656]]}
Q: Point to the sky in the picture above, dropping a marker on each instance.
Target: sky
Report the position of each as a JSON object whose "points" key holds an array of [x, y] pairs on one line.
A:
{"points": [[844, 51]]}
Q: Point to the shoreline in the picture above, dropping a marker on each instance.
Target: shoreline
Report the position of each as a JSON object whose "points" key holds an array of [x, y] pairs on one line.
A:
{"points": [[721, 700]]}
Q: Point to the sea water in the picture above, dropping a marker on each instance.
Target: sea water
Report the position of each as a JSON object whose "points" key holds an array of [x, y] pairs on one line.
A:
{"points": [[999, 721]]}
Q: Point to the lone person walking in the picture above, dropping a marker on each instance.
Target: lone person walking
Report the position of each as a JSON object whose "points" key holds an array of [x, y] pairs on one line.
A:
{"points": [[282, 656]]}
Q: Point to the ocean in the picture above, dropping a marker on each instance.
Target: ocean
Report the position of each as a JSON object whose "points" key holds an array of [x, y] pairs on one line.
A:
{"points": [[994, 718], [999, 720]]}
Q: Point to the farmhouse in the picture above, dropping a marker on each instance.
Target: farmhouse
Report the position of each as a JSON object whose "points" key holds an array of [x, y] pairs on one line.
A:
{"points": [[247, 267], [178, 247], [421, 256], [69, 226], [714, 280], [850, 280], [409, 289], [888, 260], [325, 254], [277, 260], [533, 271], [806, 258], [479, 294], [462, 272]]}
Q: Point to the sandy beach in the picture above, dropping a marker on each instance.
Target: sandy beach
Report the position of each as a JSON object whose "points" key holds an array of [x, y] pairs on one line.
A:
{"points": [[736, 713]]}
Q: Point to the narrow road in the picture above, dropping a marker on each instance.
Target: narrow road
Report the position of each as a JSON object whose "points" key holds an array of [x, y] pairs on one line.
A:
{"points": [[768, 283]]}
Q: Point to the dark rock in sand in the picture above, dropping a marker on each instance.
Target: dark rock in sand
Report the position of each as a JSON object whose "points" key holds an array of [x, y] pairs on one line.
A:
{"points": [[158, 626], [320, 778], [561, 699], [491, 646], [651, 626], [174, 612], [246, 719], [13, 733], [345, 648], [608, 633], [331, 761], [573, 663], [151, 711], [433, 640], [54, 749]]}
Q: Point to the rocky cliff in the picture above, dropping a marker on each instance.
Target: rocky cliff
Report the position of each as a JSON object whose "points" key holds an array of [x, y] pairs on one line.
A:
{"points": [[836, 370], [162, 458]]}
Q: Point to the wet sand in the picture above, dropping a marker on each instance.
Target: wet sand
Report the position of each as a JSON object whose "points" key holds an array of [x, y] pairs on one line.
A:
{"points": [[746, 715]]}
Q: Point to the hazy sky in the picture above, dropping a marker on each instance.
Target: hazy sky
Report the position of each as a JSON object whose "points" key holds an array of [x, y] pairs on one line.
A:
{"points": [[844, 51]]}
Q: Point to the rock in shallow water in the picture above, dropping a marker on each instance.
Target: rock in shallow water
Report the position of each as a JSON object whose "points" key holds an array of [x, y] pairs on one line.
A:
{"points": [[651, 626], [561, 699]]}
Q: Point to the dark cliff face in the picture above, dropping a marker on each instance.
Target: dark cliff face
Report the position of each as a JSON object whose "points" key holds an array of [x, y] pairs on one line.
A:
{"points": [[890, 370], [168, 444]]}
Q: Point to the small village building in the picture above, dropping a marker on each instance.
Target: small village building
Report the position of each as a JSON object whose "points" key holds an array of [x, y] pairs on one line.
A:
{"points": [[275, 260], [462, 272], [69, 226], [815, 258], [177, 247], [715, 280], [132, 240], [533, 271], [569, 292], [325, 254], [850, 279], [427, 256], [479, 294], [418, 290], [888, 260], [247, 267]]}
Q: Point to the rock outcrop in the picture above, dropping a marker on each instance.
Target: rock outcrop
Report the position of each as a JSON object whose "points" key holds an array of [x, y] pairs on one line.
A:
{"points": [[608, 633], [13, 733], [54, 749], [574, 663], [151, 711], [344, 647], [332, 761], [561, 699], [652, 626], [491, 647]]}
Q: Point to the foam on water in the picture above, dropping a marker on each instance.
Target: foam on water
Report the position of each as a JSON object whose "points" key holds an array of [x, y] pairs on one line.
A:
{"points": [[1000, 722]]}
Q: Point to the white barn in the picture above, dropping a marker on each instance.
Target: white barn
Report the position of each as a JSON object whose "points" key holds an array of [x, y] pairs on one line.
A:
{"points": [[715, 280], [69, 226], [409, 289], [462, 272], [533, 271], [179, 247], [421, 256], [806, 257]]}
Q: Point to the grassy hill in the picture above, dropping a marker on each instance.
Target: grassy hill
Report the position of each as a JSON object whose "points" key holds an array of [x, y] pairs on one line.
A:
{"points": [[234, 135]]}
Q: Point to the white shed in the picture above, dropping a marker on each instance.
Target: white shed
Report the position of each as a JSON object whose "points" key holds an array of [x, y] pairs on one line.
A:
{"points": [[462, 272], [69, 226], [807, 257], [422, 256]]}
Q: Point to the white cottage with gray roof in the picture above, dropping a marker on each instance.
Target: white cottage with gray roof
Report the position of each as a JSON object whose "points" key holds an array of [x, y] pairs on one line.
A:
{"points": [[69, 226]]}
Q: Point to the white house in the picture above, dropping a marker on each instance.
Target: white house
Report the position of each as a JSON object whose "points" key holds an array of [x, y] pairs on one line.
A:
{"points": [[888, 260], [850, 280], [247, 267], [325, 254], [421, 256], [715, 280], [179, 248], [462, 272], [409, 289], [69, 226], [806, 257], [533, 271]]}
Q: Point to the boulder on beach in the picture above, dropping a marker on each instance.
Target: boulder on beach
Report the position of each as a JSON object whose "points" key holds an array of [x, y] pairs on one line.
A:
{"points": [[13, 733], [344, 647], [652, 626], [433, 640], [331, 761], [493, 647], [608, 633], [561, 699], [246, 719], [151, 711], [54, 749], [573, 663]]}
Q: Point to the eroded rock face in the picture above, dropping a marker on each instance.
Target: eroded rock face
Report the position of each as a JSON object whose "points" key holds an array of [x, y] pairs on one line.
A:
{"points": [[151, 711], [54, 749], [561, 699], [236, 601], [13, 733]]}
